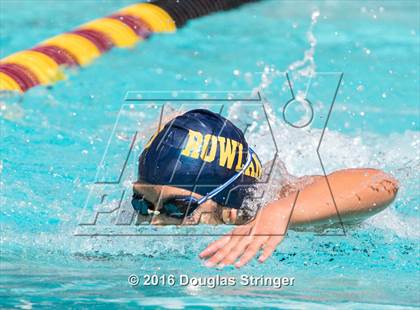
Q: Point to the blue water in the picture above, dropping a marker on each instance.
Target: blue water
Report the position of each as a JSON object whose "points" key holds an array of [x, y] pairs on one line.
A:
{"points": [[54, 140]]}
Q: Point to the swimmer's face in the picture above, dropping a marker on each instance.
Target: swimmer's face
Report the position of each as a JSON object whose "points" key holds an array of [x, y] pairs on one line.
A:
{"points": [[207, 213]]}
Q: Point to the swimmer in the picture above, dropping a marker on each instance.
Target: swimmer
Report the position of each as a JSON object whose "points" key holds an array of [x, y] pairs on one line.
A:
{"points": [[199, 168]]}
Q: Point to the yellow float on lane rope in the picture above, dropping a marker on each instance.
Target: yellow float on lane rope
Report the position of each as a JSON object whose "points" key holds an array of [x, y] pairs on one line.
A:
{"points": [[42, 66], [7, 83], [119, 33], [81, 48], [154, 16]]}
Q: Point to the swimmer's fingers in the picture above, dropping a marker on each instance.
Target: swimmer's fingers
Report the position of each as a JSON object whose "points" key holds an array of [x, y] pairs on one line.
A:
{"points": [[223, 252], [269, 247], [214, 246], [237, 250], [251, 250]]}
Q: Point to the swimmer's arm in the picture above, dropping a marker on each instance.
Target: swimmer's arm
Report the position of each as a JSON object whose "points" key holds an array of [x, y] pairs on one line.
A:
{"points": [[357, 193]]}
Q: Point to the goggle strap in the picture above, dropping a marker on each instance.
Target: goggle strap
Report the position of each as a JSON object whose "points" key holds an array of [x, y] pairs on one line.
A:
{"points": [[217, 190]]}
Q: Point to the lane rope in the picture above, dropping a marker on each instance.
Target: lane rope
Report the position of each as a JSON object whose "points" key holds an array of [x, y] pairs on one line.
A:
{"points": [[44, 63]]}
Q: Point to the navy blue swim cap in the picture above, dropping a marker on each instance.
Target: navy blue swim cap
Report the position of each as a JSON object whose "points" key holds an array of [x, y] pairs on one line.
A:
{"points": [[199, 151]]}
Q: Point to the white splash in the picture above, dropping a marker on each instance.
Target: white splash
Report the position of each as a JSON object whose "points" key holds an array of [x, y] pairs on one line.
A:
{"points": [[396, 154], [307, 67]]}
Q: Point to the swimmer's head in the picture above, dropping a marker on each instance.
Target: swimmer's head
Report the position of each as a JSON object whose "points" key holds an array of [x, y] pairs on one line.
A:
{"points": [[199, 163]]}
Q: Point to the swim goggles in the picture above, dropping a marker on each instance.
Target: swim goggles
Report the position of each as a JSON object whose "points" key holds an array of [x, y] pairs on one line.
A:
{"points": [[179, 207]]}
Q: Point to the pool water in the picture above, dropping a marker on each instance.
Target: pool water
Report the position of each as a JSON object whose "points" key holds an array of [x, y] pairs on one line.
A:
{"points": [[53, 142]]}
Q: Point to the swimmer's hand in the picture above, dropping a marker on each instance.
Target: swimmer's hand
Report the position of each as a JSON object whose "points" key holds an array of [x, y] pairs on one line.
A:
{"points": [[358, 194], [264, 232]]}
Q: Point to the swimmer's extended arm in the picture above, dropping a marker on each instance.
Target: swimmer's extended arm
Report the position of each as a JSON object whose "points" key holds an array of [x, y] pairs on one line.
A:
{"points": [[357, 193]]}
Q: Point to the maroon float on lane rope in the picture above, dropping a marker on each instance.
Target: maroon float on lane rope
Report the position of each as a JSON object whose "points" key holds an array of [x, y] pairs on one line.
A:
{"points": [[23, 77], [136, 24], [100, 40], [60, 56]]}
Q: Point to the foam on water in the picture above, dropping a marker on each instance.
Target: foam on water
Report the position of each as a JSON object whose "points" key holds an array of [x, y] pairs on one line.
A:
{"points": [[397, 154]]}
